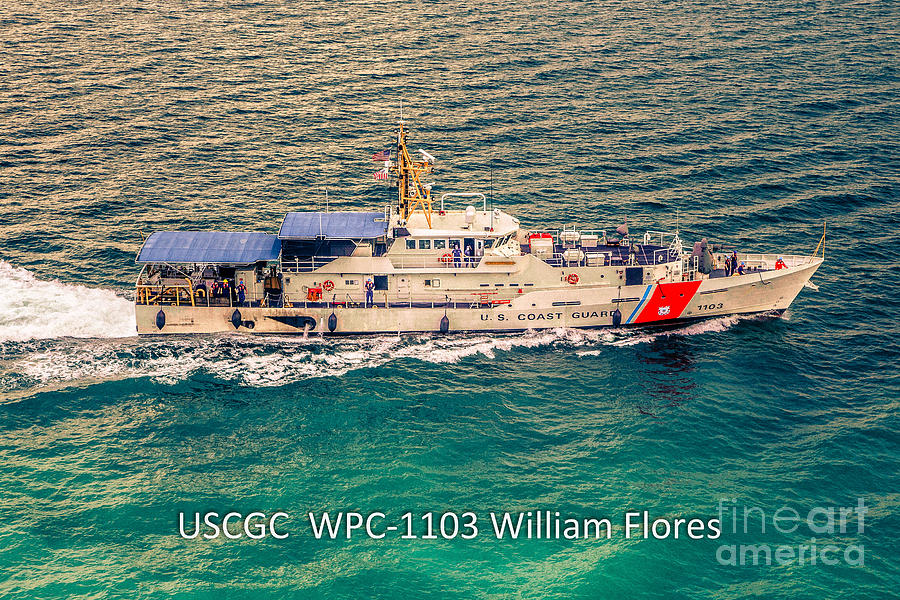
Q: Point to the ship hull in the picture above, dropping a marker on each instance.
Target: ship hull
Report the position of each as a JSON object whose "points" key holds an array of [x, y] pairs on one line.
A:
{"points": [[575, 307]]}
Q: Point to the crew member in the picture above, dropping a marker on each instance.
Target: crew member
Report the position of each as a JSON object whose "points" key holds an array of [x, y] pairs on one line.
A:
{"points": [[241, 291], [456, 256], [226, 289], [727, 266], [734, 262], [779, 264], [370, 293], [740, 269], [468, 256]]}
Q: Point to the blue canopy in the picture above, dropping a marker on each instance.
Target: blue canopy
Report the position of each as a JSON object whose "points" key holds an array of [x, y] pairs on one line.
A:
{"points": [[333, 225], [210, 247]]}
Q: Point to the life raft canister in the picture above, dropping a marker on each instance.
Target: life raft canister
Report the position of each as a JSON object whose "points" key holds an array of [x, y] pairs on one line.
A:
{"points": [[328, 285], [236, 318], [160, 319], [572, 278]]}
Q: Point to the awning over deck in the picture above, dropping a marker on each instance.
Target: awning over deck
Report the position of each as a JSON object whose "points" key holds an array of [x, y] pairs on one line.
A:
{"points": [[209, 247], [333, 225]]}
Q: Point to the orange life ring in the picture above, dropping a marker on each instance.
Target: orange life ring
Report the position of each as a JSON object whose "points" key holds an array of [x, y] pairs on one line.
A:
{"points": [[572, 278], [328, 285], [447, 258]]}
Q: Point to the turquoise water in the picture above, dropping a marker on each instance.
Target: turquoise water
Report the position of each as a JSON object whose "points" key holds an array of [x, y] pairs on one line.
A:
{"points": [[756, 121]]}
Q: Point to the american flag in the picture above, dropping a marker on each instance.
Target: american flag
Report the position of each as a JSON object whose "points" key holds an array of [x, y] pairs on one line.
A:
{"points": [[382, 174], [381, 156]]}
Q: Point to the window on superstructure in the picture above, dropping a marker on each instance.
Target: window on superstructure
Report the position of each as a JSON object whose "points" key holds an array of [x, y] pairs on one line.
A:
{"points": [[410, 244], [440, 244], [424, 244], [433, 283], [488, 243]]}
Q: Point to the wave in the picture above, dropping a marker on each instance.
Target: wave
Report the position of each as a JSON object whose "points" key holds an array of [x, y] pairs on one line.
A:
{"points": [[276, 361], [31, 308], [39, 319]]}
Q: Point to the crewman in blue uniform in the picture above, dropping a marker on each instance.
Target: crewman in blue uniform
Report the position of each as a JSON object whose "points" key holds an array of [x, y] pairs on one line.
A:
{"points": [[370, 293], [241, 291], [457, 257]]}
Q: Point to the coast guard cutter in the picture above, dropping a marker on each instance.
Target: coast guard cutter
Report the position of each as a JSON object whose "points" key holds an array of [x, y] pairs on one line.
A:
{"points": [[423, 265]]}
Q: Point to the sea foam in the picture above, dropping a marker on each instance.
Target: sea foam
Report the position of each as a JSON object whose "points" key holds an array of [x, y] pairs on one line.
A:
{"points": [[38, 320], [31, 308]]}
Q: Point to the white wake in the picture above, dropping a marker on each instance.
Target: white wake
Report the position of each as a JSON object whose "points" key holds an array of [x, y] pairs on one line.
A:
{"points": [[31, 309], [39, 319]]}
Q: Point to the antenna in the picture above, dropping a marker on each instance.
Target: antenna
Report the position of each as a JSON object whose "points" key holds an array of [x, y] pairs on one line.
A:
{"points": [[492, 194], [401, 110], [326, 199]]}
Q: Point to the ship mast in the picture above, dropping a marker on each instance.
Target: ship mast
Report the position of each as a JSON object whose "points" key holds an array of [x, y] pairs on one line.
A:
{"points": [[411, 192]]}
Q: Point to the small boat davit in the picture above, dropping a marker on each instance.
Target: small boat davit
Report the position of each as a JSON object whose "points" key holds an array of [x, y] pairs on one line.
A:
{"points": [[419, 265]]}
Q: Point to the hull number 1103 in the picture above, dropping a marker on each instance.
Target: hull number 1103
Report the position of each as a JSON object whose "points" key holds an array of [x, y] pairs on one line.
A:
{"points": [[710, 306]]}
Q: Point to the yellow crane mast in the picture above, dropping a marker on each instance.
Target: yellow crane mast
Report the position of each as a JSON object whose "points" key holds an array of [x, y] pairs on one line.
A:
{"points": [[412, 193]]}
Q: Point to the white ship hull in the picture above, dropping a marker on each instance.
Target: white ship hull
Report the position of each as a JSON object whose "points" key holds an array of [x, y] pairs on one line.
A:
{"points": [[581, 306]]}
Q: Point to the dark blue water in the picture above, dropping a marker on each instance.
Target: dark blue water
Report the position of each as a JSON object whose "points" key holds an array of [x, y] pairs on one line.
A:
{"points": [[756, 122]]}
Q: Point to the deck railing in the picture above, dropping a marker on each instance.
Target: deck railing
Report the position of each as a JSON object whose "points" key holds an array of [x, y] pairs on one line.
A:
{"points": [[767, 261], [398, 261], [480, 299], [306, 265]]}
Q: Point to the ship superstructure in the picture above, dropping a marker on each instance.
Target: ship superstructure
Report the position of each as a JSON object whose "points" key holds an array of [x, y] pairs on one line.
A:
{"points": [[430, 264]]}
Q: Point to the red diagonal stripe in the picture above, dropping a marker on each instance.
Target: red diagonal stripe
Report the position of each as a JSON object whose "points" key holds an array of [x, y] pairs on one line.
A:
{"points": [[675, 296]]}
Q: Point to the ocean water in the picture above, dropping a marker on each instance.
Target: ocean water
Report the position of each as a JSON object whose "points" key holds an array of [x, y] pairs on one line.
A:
{"points": [[754, 122]]}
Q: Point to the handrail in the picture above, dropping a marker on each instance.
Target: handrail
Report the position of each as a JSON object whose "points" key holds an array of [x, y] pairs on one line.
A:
{"points": [[307, 265], [768, 260], [465, 195], [431, 262]]}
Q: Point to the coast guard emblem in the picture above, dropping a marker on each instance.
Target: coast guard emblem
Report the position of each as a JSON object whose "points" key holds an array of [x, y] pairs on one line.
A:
{"points": [[663, 310]]}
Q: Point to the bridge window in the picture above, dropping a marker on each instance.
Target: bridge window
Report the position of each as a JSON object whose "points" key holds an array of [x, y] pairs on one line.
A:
{"points": [[410, 244], [424, 244], [440, 244]]}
